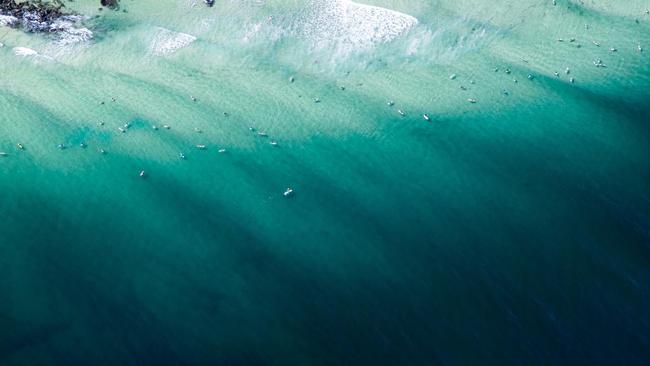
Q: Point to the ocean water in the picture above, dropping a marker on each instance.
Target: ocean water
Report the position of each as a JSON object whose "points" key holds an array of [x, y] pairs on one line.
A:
{"points": [[510, 231]]}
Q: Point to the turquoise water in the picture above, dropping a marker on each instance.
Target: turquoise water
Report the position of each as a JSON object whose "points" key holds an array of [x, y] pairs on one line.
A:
{"points": [[513, 230]]}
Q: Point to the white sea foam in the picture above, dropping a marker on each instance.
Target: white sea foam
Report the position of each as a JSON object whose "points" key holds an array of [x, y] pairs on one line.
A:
{"points": [[252, 31], [265, 32], [446, 43], [31, 54], [67, 33], [348, 26], [24, 51], [6, 20], [166, 41]]}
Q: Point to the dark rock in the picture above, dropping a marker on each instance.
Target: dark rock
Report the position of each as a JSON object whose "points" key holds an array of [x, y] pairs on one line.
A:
{"points": [[112, 4]]}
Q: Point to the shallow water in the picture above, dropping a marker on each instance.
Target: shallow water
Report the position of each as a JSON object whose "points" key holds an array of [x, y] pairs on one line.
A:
{"points": [[513, 230]]}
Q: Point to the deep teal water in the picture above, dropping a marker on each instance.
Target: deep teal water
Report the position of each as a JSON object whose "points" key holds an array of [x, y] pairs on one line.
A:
{"points": [[512, 231]]}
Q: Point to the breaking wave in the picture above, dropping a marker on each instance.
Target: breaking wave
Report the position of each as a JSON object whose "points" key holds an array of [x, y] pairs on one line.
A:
{"points": [[166, 41], [67, 31], [347, 27]]}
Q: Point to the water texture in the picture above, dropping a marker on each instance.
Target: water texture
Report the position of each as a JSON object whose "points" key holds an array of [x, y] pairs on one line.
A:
{"points": [[511, 228]]}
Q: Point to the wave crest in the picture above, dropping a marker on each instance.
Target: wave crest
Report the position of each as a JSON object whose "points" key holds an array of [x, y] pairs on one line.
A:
{"points": [[166, 41], [347, 26]]}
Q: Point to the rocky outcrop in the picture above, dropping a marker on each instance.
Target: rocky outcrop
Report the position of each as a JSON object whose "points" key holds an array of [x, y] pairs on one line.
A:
{"points": [[34, 16], [112, 4]]}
